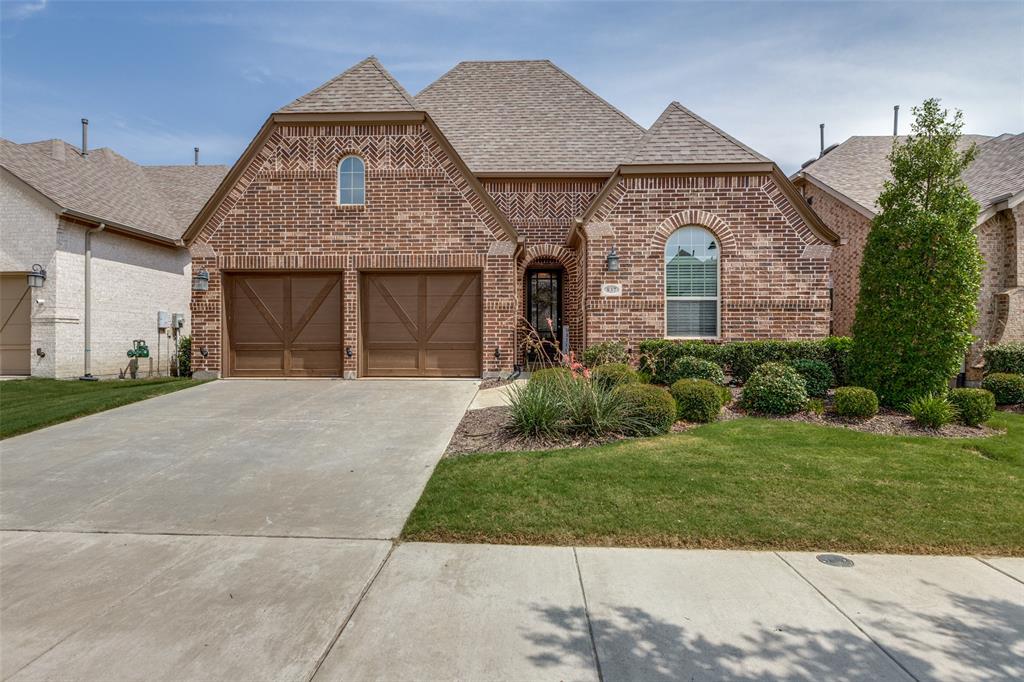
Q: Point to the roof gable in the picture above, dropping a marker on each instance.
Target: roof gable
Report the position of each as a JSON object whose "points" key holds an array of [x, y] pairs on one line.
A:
{"points": [[528, 117], [159, 201], [366, 87], [680, 136]]}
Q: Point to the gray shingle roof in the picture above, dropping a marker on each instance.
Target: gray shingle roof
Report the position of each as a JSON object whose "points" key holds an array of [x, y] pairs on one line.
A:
{"points": [[681, 136], [366, 87], [998, 169], [528, 116], [158, 200], [859, 167]]}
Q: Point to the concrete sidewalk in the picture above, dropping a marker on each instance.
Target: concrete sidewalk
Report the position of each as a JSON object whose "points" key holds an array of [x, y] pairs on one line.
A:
{"points": [[219, 608], [562, 613]]}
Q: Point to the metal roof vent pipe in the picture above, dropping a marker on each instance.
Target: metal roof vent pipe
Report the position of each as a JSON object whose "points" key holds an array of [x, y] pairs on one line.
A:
{"points": [[821, 142], [85, 137], [896, 120], [195, 161]]}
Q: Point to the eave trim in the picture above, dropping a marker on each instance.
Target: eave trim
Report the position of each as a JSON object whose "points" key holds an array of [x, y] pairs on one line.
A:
{"points": [[734, 168]]}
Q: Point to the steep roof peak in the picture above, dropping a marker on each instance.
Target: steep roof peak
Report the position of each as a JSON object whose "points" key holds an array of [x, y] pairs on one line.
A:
{"points": [[363, 88], [527, 116], [681, 136]]}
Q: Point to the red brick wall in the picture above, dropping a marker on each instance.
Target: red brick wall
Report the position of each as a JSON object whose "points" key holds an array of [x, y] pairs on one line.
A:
{"points": [[419, 213], [774, 270], [853, 228], [543, 210]]}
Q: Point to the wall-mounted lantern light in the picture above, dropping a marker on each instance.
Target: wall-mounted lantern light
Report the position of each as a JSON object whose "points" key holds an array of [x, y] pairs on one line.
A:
{"points": [[348, 351], [204, 351], [497, 353], [612, 262], [37, 276], [201, 281]]}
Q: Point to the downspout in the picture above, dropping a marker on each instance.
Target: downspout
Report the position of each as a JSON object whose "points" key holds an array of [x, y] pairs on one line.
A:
{"points": [[88, 303]]}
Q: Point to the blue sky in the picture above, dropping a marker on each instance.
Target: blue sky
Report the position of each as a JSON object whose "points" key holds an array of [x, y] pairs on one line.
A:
{"points": [[157, 78]]}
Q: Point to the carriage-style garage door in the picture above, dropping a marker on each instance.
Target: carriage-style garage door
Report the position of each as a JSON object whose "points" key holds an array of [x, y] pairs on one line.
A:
{"points": [[425, 324], [15, 325], [284, 325]]}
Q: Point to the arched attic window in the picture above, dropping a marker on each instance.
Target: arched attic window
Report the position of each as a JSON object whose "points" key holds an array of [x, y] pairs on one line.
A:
{"points": [[692, 300], [351, 181]]}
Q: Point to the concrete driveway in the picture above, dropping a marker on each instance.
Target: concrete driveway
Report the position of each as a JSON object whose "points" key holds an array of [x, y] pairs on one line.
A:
{"points": [[222, 532]]}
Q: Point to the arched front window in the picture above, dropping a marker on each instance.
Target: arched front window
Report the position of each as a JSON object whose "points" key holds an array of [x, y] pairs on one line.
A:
{"points": [[691, 283], [351, 181]]}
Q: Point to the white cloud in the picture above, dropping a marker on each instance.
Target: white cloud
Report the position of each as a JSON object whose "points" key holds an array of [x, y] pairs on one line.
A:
{"points": [[17, 11]]}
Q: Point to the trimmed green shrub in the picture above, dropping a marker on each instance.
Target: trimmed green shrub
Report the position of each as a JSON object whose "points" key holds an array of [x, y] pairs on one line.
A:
{"points": [[1007, 388], [614, 374], [697, 400], [743, 357], [726, 395], [774, 388], [932, 410], [536, 409], [1006, 358], [817, 376], [648, 409], [658, 355], [551, 375], [815, 406], [689, 367], [921, 271], [855, 402], [974, 405], [604, 353], [837, 355]]}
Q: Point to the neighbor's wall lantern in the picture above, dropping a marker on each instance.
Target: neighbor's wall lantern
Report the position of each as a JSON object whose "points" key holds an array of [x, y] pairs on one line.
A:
{"points": [[612, 262], [201, 281], [37, 276]]}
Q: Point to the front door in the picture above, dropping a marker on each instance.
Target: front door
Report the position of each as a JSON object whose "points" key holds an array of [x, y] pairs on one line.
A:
{"points": [[544, 310]]}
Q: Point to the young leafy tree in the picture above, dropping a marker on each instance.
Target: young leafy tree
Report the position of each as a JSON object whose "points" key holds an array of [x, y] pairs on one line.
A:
{"points": [[921, 272]]}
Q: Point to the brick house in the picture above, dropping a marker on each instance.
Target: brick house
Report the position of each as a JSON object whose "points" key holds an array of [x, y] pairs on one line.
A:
{"points": [[106, 230], [843, 187], [366, 232]]}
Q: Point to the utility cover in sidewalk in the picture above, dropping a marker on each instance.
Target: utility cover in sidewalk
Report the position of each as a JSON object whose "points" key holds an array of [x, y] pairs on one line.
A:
{"points": [[834, 560]]}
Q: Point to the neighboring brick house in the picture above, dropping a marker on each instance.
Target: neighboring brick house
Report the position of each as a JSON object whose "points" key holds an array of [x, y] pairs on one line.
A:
{"points": [[54, 201], [843, 187], [365, 232]]}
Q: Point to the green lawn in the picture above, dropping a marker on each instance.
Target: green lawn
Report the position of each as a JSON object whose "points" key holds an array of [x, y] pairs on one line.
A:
{"points": [[751, 483], [31, 404]]}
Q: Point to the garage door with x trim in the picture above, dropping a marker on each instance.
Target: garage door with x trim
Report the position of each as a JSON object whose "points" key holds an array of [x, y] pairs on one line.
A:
{"points": [[285, 324], [425, 324]]}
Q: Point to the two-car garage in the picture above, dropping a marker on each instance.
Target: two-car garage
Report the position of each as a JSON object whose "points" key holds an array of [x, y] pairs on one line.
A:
{"points": [[410, 324]]}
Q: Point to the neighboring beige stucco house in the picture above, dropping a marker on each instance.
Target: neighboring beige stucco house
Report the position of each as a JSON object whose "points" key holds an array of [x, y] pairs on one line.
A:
{"points": [[843, 185], [51, 197]]}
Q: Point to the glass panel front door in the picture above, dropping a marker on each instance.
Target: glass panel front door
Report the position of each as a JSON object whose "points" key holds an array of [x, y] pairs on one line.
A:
{"points": [[544, 306]]}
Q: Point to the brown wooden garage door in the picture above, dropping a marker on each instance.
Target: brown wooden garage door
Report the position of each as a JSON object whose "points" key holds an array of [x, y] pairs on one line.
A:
{"points": [[284, 325], [425, 324], [15, 327]]}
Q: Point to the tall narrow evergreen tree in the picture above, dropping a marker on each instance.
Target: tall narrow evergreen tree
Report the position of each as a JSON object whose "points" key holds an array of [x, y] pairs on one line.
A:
{"points": [[921, 272]]}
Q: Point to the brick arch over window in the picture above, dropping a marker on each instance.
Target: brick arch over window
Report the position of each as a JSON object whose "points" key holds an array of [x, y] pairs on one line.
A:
{"points": [[709, 221], [572, 309]]}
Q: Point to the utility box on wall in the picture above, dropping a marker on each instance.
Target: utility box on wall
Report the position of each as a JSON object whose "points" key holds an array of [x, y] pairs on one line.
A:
{"points": [[178, 320], [163, 320]]}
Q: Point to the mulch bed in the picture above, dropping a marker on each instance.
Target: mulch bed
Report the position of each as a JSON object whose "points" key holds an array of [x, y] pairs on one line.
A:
{"points": [[487, 430], [495, 383]]}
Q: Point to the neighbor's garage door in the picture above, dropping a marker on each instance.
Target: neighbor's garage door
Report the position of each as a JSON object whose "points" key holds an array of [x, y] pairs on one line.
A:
{"points": [[284, 325], [424, 324], [15, 328]]}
